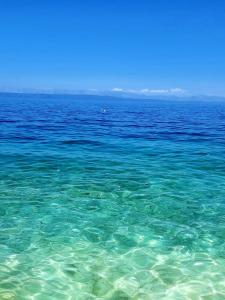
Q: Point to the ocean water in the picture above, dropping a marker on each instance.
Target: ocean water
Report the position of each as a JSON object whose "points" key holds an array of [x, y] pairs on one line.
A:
{"points": [[106, 198]]}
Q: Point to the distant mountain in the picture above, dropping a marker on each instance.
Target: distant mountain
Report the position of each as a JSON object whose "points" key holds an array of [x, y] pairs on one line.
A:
{"points": [[112, 95]]}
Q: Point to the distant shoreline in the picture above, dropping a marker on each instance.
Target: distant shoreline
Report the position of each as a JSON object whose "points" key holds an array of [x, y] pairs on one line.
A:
{"points": [[205, 98]]}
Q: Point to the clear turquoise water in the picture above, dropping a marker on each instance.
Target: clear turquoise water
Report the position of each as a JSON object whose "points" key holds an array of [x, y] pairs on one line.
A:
{"points": [[111, 199]]}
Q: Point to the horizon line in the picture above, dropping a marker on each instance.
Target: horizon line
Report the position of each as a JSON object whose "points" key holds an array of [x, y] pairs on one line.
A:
{"points": [[52, 92]]}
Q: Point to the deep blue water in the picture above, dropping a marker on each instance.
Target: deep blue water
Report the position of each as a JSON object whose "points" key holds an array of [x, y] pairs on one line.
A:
{"points": [[105, 198]]}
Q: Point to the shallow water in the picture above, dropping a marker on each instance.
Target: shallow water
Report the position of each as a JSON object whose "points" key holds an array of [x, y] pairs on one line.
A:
{"points": [[111, 199]]}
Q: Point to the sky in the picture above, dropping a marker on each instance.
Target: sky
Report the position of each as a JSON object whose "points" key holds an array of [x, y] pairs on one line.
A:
{"points": [[142, 46]]}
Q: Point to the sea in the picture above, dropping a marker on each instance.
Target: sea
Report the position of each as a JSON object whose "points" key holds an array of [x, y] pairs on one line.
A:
{"points": [[111, 198]]}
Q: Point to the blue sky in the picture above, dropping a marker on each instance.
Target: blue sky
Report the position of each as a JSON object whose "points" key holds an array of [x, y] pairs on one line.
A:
{"points": [[130, 45]]}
